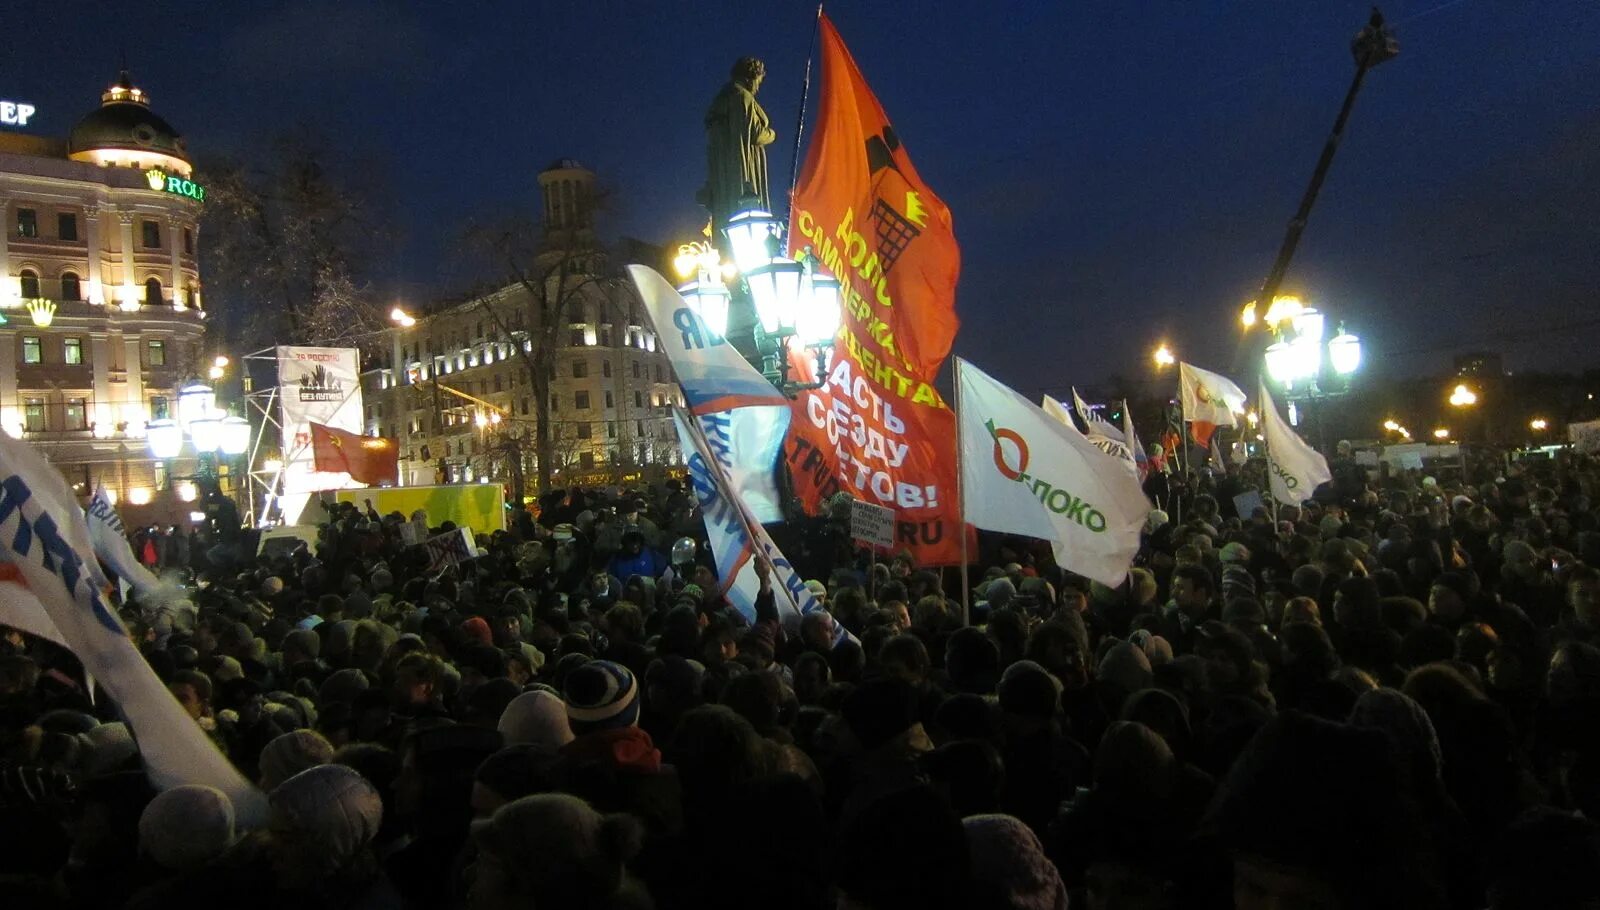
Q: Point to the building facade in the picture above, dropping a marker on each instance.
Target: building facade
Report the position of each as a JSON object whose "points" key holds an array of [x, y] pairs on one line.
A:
{"points": [[99, 290], [455, 388]]}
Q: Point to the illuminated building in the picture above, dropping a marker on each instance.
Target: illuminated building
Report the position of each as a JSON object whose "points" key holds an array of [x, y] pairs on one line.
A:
{"points": [[99, 289], [611, 395]]}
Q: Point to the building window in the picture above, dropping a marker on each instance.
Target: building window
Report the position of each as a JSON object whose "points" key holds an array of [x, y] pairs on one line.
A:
{"points": [[152, 234], [524, 407], [658, 373], [586, 460], [638, 399], [152, 292], [605, 336], [583, 430], [71, 287], [605, 368], [29, 279], [159, 409], [77, 414], [192, 298], [156, 353], [636, 369], [609, 403], [580, 400], [32, 351], [580, 369], [611, 429], [27, 223], [33, 415], [497, 382], [188, 241], [73, 349], [555, 403], [577, 338], [66, 226]]}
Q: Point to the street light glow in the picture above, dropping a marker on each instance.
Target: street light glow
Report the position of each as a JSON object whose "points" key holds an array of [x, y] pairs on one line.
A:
{"points": [[1539, 423], [1247, 316], [1164, 356], [1441, 433], [402, 318], [1463, 397]]}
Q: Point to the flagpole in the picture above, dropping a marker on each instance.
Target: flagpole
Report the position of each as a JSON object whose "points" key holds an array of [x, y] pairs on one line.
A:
{"points": [[961, 506], [1266, 446], [805, 95]]}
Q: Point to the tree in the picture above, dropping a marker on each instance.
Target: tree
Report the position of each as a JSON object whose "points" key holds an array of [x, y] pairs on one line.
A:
{"points": [[288, 240], [564, 280]]}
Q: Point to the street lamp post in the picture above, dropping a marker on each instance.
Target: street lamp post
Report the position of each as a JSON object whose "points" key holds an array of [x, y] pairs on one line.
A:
{"points": [[1303, 364]]}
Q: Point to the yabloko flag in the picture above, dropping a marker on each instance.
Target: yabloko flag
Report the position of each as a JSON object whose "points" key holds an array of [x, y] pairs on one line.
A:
{"points": [[1209, 400], [1023, 472], [876, 428], [1294, 469]]}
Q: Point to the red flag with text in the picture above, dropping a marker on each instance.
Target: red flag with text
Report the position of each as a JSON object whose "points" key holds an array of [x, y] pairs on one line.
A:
{"points": [[370, 460], [877, 429]]}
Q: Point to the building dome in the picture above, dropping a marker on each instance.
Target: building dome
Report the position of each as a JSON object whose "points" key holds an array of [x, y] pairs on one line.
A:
{"points": [[125, 123]]}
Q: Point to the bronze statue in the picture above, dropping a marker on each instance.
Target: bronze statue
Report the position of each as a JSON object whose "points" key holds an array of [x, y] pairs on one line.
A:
{"points": [[738, 132]]}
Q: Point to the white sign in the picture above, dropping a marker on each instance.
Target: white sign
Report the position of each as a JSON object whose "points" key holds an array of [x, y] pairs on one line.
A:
{"points": [[15, 113], [315, 385], [871, 523], [1585, 436]]}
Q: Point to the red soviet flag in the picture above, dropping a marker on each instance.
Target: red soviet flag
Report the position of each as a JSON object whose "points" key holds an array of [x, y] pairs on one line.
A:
{"points": [[370, 460], [877, 428]]}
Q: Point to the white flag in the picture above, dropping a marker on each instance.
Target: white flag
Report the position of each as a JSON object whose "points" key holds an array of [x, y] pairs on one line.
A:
{"points": [[1294, 468], [1103, 436], [1141, 459], [110, 541], [1022, 472], [43, 536], [1208, 397], [728, 533], [1059, 411]]}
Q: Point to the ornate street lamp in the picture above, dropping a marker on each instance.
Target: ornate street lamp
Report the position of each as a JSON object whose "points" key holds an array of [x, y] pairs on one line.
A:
{"points": [[196, 400], [165, 438]]}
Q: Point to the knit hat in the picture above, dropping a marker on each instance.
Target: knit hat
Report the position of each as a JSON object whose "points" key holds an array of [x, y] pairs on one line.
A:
{"points": [[227, 668], [303, 640], [1028, 690], [331, 810], [600, 695], [1234, 552], [342, 686], [106, 748], [1126, 667], [817, 588], [575, 850], [476, 629], [1008, 864], [536, 718], [186, 827], [1408, 727], [1156, 649], [271, 586], [289, 754]]}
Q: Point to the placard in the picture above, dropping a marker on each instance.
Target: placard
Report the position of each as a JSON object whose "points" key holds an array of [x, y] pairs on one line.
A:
{"points": [[449, 549], [1246, 503], [871, 523]]}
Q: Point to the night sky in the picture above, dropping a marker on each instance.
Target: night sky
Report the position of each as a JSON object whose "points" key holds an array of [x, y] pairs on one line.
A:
{"points": [[1119, 172]]}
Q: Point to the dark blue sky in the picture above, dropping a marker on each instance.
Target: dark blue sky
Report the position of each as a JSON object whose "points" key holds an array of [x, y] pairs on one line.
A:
{"points": [[1119, 172]]}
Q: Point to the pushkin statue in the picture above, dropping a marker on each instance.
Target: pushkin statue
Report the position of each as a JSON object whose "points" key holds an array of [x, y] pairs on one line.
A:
{"points": [[738, 132]]}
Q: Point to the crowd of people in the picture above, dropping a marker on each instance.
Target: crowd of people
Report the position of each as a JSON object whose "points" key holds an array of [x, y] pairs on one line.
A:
{"points": [[1383, 698]]}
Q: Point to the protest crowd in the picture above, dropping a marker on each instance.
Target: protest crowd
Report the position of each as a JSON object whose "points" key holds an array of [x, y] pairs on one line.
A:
{"points": [[1384, 698]]}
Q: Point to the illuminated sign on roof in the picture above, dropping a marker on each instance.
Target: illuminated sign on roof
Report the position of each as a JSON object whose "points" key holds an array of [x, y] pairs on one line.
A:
{"points": [[15, 113], [171, 183]]}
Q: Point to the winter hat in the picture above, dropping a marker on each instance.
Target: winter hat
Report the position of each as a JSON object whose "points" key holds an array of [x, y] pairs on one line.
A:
{"points": [[1410, 731], [227, 668], [759, 641], [1009, 865], [1156, 649], [186, 827], [973, 660], [342, 686], [536, 718], [880, 709], [1028, 690], [577, 851], [1134, 761], [289, 754], [999, 593], [305, 641], [330, 809], [1234, 552], [817, 588], [106, 748], [271, 586], [906, 849], [600, 695], [476, 629], [1126, 667]]}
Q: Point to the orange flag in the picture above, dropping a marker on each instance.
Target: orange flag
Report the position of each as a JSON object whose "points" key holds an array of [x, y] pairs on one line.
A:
{"points": [[877, 429], [371, 460]]}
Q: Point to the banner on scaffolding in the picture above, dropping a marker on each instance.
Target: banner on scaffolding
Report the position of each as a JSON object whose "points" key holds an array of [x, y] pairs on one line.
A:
{"points": [[315, 385]]}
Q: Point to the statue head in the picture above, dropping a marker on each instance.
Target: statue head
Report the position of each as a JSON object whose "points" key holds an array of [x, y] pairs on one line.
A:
{"points": [[749, 71]]}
